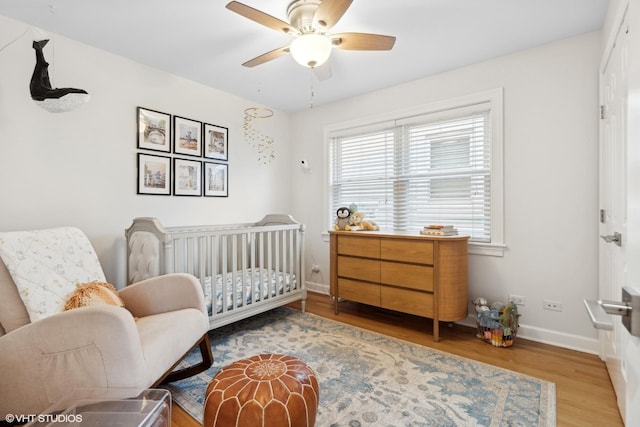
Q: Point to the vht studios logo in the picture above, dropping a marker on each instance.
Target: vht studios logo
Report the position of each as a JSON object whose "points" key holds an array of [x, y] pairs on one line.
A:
{"points": [[43, 418]]}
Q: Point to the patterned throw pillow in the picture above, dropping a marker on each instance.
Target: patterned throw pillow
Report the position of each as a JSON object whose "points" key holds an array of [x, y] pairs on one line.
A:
{"points": [[92, 294], [46, 265]]}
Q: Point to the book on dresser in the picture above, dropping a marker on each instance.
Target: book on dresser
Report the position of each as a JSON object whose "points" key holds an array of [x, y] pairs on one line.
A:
{"points": [[439, 230]]}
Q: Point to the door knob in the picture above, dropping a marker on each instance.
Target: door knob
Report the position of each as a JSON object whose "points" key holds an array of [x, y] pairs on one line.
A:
{"points": [[615, 238], [628, 309]]}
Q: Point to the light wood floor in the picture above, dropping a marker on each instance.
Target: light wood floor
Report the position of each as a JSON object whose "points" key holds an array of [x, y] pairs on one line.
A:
{"points": [[584, 392]]}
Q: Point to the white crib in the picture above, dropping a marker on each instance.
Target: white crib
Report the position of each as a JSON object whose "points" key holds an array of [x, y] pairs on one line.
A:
{"points": [[244, 269]]}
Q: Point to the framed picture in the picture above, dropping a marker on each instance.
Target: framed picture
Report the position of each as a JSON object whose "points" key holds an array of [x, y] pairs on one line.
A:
{"points": [[187, 136], [187, 177], [216, 179], [154, 130], [154, 174], [216, 142]]}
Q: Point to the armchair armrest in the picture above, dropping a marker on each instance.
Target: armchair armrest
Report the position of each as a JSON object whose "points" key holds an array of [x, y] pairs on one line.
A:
{"points": [[164, 293], [90, 347]]}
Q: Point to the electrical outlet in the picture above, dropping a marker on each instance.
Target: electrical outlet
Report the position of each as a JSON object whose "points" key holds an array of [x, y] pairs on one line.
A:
{"points": [[552, 305], [518, 299]]}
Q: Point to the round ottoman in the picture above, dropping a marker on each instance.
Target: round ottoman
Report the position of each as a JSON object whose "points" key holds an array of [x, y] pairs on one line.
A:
{"points": [[268, 390]]}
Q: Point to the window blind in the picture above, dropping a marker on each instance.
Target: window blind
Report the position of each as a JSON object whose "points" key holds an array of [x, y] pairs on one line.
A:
{"points": [[434, 169]]}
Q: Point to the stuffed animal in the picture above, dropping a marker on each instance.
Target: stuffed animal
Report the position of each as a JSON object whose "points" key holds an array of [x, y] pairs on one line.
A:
{"points": [[481, 304], [509, 315], [498, 306], [92, 294], [342, 221], [357, 222]]}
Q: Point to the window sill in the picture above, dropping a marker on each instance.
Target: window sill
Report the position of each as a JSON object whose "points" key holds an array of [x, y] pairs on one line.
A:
{"points": [[488, 249]]}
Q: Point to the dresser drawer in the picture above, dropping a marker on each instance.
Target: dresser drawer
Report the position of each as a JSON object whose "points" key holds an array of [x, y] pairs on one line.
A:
{"points": [[407, 301], [359, 268], [354, 290], [419, 277], [368, 247], [414, 251]]}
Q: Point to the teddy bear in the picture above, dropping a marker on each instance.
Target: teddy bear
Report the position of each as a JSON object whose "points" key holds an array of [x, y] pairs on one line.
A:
{"points": [[357, 221], [342, 221]]}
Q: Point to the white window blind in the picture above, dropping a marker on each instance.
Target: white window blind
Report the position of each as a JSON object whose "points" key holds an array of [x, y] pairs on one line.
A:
{"points": [[431, 169]]}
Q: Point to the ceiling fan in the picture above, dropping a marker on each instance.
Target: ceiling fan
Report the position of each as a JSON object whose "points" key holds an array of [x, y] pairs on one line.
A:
{"points": [[309, 20]]}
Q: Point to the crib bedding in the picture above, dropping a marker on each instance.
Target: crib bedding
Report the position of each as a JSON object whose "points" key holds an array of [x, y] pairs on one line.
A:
{"points": [[258, 284]]}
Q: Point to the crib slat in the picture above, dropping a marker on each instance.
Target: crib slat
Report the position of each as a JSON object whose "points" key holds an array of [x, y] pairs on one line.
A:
{"points": [[223, 270], [270, 254]]}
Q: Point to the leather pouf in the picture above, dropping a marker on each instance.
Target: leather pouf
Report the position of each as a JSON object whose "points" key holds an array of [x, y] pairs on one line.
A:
{"points": [[268, 390]]}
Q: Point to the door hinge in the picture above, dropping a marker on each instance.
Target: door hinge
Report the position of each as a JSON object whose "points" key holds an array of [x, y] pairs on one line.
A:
{"points": [[603, 114], [603, 216]]}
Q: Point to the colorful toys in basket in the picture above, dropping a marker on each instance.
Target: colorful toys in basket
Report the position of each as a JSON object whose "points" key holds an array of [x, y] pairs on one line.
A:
{"points": [[497, 324]]}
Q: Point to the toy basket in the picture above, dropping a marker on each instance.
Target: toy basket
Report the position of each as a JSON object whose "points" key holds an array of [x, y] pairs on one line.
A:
{"points": [[492, 329]]}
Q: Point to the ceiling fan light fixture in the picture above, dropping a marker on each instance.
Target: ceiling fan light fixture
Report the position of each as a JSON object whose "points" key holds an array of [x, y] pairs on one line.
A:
{"points": [[311, 50]]}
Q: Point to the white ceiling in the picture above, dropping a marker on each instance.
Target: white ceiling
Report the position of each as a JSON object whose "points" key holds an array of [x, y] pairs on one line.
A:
{"points": [[203, 41]]}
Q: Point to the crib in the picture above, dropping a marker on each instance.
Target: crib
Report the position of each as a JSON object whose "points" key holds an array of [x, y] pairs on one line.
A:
{"points": [[244, 269]]}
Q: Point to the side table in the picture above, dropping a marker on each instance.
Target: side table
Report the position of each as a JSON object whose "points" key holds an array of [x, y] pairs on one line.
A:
{"points": [[113, 407]]}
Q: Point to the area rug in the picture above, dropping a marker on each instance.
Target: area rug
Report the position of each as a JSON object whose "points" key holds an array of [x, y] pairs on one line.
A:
{"points": [[368, 379]]}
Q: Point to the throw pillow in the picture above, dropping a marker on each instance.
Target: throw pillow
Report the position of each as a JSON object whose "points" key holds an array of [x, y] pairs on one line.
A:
{"points": [[46, 265]]}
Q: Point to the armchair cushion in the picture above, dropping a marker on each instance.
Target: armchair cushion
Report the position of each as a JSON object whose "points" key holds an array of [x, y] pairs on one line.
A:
{"points": [[60, 257]]}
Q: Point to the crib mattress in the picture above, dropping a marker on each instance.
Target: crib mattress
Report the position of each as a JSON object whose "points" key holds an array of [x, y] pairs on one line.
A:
{"points": [[250, 286]]}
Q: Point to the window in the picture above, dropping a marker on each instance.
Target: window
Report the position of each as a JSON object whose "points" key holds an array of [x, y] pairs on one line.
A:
{"points": [[440, 164]]}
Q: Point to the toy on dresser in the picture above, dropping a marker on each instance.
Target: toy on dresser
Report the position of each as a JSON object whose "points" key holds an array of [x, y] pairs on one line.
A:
{"points": [[342, 219], [349, 219]]}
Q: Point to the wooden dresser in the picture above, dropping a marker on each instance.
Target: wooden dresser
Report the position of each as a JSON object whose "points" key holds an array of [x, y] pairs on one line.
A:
{"points": [[402, 271]]}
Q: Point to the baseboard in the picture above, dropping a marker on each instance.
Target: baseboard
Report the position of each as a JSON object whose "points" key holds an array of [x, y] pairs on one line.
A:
{"points": [[319, 288], [533, 333], [548, 336]]}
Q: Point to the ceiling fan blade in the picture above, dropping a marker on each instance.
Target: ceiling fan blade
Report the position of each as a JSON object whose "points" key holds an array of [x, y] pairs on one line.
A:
{"points": [[362, 41], [329, 13], [266, 57], [323, 72], [261, 17]]}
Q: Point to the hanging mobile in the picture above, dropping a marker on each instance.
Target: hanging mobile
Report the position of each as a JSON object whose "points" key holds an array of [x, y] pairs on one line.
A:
{"points": [[57, 100]]}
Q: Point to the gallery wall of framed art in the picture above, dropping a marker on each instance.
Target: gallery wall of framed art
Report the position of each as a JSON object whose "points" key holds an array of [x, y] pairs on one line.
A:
{"points": [[181, 157]]}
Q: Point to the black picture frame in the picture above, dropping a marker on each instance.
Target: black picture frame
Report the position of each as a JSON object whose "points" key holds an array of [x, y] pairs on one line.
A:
{"points": [[187, 175], [215, 179], [154, 174], [215, 142], [154, 130], [187, 136]]}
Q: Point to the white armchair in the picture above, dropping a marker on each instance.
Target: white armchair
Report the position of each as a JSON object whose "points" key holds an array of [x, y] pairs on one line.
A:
{"points": [[100, 346]]}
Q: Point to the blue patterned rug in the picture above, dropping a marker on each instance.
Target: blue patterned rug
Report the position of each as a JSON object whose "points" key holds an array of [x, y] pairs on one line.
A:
{"points": [[368, 379]]}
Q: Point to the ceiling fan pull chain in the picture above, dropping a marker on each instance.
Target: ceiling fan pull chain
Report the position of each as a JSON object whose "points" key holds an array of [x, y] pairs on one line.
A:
{"points": [[313, 94]]}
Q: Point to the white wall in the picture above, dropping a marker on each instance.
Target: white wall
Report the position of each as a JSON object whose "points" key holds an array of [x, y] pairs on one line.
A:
{"points": [[79, 168], [551, 179]]}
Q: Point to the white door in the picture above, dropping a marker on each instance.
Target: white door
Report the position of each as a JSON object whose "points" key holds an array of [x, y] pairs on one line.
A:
{"points": [[620, 204]]}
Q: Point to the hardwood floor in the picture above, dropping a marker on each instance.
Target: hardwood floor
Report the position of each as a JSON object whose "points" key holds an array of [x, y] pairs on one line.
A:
{"points": [[584, 392]]}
